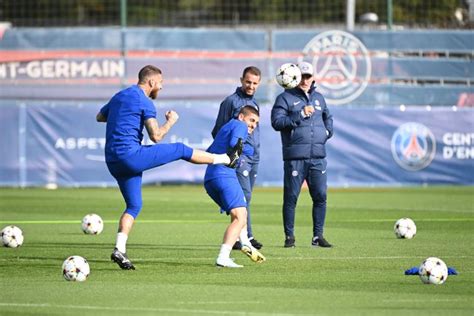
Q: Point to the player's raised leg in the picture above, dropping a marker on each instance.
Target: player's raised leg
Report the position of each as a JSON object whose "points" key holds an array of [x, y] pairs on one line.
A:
{"points": [[230, 159], [148, 157]]}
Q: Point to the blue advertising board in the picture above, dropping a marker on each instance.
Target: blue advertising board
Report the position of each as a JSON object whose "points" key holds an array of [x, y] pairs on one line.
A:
{"points": [[60, 143]]}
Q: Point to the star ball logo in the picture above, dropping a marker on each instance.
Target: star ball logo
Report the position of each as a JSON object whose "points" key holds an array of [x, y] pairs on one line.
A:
{"points": [[413, 146], [342, 66]]}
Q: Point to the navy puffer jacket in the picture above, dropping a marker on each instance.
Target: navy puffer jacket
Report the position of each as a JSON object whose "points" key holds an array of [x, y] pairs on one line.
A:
{"points": [[302, 137]]}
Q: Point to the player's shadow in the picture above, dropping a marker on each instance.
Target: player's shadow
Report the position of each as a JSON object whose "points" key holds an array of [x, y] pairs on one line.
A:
{"points": [[42, 259], [69, 245], [172, 247], [170, 263]]}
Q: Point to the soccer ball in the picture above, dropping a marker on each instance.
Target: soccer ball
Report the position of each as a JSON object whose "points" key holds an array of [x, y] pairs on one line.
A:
{"points": [[92, 224], [76, 268], [288, 76], [405, 228], [12, 236], [433, 271]]}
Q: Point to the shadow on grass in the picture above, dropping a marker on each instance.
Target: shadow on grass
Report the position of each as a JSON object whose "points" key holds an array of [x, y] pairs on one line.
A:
{"points": [[171, 263], [173, 247], [69, 245], [110, 245]]}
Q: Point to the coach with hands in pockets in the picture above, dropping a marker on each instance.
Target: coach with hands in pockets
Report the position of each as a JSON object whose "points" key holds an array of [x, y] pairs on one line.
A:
{"points": [[305, 124]]}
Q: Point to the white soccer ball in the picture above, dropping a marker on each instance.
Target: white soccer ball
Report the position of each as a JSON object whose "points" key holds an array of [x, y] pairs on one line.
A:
{"points": [[433, 271], [405, 228], [12, 236], [76, 268], [92, 224], [288, 76]]}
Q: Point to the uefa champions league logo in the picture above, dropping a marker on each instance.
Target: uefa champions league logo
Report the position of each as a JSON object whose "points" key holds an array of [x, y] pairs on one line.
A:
{"points": [[342, 66], [413, 146]]}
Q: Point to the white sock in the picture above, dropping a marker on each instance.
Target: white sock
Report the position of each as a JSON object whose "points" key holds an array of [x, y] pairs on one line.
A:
{"points": [[225, 251], [244, 239], [221, 159], [121, 243]]}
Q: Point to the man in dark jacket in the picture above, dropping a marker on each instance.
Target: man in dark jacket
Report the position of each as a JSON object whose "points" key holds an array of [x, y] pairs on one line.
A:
{"points": [[305, 124]]}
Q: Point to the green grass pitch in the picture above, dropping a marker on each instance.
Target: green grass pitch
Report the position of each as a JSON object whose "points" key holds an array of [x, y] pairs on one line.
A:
{"points": [[177, 237]]}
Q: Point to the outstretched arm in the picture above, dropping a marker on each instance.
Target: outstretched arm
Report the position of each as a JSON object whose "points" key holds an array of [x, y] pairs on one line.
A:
{"points": [[156, 132]]}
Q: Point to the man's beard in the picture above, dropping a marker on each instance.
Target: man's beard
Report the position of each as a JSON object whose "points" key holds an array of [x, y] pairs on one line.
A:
{"points": [[153, 94]]}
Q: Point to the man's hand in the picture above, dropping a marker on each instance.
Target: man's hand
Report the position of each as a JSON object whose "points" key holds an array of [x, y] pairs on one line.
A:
{"points": [[308, 110], [171, 117]]}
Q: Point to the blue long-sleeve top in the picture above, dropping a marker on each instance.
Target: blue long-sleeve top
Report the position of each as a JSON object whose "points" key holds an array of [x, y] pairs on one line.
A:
{"points": [[229, 109], [225, 140]]}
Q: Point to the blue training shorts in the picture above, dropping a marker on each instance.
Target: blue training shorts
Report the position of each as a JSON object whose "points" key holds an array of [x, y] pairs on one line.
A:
{"points": [[148, 157], [128, 171], [226, 192]]}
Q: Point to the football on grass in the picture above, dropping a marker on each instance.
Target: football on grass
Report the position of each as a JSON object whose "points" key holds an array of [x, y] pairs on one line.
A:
{"points": [[92, 224], [405, 228], [76, 268], [12, 236], [433, 271]]}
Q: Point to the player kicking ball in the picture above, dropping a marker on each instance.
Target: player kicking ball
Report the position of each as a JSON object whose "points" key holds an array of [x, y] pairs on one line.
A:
{"points": [[223, 187], [127, 114]]}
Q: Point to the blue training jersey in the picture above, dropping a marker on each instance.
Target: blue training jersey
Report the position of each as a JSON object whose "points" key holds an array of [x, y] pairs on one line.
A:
{"points": [[225, 139], [126, 113], [229, 109]]}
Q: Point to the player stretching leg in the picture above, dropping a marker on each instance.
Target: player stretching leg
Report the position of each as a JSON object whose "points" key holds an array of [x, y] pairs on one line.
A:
{"points": [[126, 114]]}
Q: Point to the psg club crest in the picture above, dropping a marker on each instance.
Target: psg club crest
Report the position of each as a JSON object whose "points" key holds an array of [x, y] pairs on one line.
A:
{"points": [[342, 66], [413, 146]]}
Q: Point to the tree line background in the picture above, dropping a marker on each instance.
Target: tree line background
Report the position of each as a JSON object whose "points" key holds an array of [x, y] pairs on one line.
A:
{"points": [[230, 13]]}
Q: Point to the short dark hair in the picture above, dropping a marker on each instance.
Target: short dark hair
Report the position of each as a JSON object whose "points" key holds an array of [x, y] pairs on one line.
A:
{"points": [[249, 109], [148, 71], [253, 70]]}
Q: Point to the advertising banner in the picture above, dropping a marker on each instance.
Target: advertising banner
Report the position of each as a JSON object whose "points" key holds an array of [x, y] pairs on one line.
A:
{"points": [[366, 68], [61, 144]]}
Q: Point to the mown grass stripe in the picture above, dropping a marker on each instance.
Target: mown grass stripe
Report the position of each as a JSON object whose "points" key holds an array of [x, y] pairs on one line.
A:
{"points": [[178, 221], [13, 222], [136, 309]]}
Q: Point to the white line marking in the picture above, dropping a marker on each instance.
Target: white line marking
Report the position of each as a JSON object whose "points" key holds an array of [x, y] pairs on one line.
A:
{"points": [[146, 221], [138, 309], [177, 221], [211, 259], [426, 300], [383, 220], [312, 258]]}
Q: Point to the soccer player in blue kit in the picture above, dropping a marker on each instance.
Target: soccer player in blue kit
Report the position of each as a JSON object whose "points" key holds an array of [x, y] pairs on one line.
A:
{"points": [[126, 114], [223, 187], [247, 167]]}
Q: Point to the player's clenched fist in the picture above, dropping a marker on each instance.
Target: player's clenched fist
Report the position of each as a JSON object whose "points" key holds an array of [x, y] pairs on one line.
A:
{"points": [[172, 116]]}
